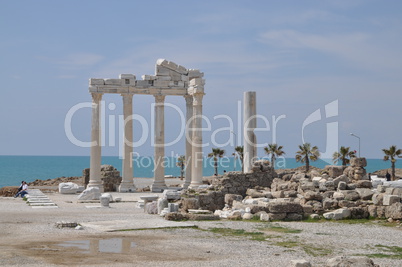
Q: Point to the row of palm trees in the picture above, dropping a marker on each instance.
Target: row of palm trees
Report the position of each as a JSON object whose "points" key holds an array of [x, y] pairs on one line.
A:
{"points": [[305, 154]]}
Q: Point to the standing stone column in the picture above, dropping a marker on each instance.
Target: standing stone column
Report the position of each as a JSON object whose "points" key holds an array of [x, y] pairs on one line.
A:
{"points": [[196, 150], [189, 126], [159, 169], [95, 162], [250, 123], [127, 183]]}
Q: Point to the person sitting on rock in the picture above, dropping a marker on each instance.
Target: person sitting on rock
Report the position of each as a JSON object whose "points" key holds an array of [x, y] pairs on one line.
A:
{"points": [[20, 188], [24, 190]]}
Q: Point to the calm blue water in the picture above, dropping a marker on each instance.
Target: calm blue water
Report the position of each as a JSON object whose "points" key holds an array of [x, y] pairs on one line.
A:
{"points": [[13, 169]]}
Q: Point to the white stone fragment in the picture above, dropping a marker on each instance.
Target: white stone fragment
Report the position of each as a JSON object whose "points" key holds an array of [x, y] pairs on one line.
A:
{"points": [[171, 194], [388, 200], [338, 214], [91, 193], [68, 188], [264, 217]]}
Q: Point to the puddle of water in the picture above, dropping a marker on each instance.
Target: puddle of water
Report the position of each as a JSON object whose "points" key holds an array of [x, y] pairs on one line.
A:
{"points": [[112, 245]]}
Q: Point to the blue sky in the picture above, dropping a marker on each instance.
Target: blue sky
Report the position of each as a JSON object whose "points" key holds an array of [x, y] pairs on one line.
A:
{"points": [[298, 56]]}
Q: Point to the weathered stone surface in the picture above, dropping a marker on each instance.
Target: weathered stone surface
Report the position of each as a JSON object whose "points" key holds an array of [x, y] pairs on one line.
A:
{"points": [[190, 203], [171, 194], [311, 195], [110, 177], [307, 209], [377, 199], [338, 196], [151, 207], [391, 199], [108, 195], [278, 194], [277, 216], [338, 214], [346, 204], [230, 197], [394, 211], [358, 162], [342, 185], [351, 195], [285, 207], [264, 217], [104, 200], [351, 187], [333, 170], [173, 207], [300, 263], [202, 217], [330, 204], [363, 184], [350, 261], [68, 188], [341, 178], [162, 204], [91, 193], [174, 216], [365, 193], [359, 213]]}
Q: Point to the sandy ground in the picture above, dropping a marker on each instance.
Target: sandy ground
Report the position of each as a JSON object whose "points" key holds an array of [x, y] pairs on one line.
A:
{"points": [[29, 237]]}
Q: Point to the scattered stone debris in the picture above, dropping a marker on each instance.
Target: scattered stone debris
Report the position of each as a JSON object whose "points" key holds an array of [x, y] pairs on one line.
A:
{"points": [[66, 224]]}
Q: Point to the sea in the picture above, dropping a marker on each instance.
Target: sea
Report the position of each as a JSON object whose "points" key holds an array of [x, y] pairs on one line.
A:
{"points": [[14, 169]]}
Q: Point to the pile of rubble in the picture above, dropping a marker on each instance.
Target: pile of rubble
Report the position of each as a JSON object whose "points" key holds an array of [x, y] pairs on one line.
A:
{"points": [[110, 177], [334, 193]]}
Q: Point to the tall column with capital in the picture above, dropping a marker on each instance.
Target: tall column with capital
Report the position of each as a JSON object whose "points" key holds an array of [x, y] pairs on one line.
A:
{"points": [[95, 162], [189, 126], [196, 150], [250, 123], [127, 184], [159, 169]]}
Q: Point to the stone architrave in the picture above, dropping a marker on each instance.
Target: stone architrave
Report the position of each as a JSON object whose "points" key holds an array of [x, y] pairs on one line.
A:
{"points": [[250, 123], [127, 184], [159, 143], [95, 161]]}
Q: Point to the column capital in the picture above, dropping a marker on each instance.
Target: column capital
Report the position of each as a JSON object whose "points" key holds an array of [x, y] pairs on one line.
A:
{"points": [[97, 96], [159, 98], [189, 99]]}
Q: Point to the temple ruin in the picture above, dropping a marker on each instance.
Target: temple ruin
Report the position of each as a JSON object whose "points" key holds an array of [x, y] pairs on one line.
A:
{"points": [[170, 79]]}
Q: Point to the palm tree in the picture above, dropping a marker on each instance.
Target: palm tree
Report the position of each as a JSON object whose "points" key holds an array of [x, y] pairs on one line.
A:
{"points": [[239, 152], [390, 154], [275, 151], [344, 154], [181, 162], [307, 153], [216, 153]]}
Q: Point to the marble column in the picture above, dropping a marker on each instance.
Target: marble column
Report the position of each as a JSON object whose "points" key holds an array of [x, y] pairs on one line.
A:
{"points": [[196, 150], [159, 143], [95, 162], [250, 123], [189, 125], [127, 183]]}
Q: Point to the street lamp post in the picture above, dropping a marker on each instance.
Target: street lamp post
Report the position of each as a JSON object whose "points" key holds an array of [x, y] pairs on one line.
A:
{"points": [[352, 134], [234, 163]]}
